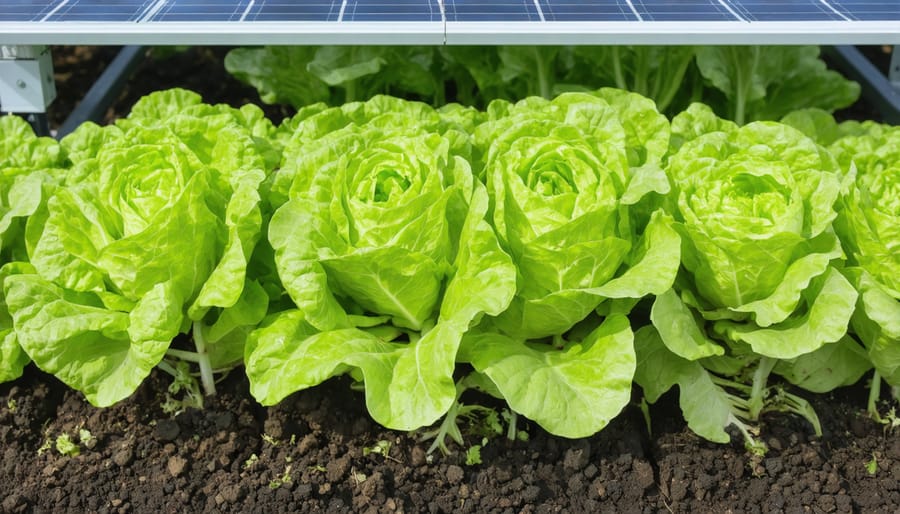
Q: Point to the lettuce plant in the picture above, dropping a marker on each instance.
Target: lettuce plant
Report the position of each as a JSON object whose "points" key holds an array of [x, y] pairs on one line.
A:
{"points": [[151, 232], [665, 74], [868, 223], [565, 178], [382, 244], [868, 213], [30, 166], [759, 290], [304, 75]]}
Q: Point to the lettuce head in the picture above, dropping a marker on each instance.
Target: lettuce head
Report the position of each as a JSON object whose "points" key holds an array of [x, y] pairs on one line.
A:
{"points": [[382, 244], [151, 230], [570, 182]]}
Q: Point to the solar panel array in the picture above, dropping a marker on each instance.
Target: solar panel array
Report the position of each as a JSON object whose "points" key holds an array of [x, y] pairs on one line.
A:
{"points": [[229, 22], [447, 10]]}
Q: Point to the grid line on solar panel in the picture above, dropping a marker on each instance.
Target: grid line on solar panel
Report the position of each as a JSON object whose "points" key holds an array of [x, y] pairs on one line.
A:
{"points": [[572, 10]]}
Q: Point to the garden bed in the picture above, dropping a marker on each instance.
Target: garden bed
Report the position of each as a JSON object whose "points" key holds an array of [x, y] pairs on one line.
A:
{"points": [[319, 450]]}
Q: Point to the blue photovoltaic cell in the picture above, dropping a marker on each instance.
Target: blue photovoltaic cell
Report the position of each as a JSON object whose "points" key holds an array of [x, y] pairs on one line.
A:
{"points": [[785, 10], [491, 10], [25, 10], [392, 10], [188, 10], [572, 10], [99, 10], [868, 10], [292, 10], [685, 10]]}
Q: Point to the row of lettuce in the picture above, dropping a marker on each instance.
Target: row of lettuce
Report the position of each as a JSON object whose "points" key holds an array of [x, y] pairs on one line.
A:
{"points": [[551, 253]]}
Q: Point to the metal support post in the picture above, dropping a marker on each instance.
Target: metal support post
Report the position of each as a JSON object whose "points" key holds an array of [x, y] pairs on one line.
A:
{"points": [[105, 90], [894, 71], [880, 90]]}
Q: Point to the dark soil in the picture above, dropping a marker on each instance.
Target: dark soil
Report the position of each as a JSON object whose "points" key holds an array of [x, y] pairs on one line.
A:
{"points": [[315, 452]]}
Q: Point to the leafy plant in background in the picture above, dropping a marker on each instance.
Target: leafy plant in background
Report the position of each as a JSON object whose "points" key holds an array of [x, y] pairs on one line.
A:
{"points": [[868, 224], [30, 166], [301, 76], [381, 241], [665, 74], [760, 288], [150, 233], [750, 83], [741, 83]]}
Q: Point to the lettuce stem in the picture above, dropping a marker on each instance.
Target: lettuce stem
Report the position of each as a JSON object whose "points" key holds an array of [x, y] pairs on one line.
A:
{"points": [[617, 69], [183, 355], [206, 372], [874, 394], [758, 391], [543, 76]]}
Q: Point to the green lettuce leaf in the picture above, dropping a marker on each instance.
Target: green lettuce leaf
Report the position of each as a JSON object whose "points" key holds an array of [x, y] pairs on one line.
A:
{"points": [[704, 404], [573, 391]]}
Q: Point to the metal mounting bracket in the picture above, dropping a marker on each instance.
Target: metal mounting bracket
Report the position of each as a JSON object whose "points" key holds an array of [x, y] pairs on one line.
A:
{"points": [[26, 83], [26, 78]]}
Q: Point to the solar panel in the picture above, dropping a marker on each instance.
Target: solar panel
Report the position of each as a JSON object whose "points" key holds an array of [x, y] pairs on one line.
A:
{"points": [[448, 21]]}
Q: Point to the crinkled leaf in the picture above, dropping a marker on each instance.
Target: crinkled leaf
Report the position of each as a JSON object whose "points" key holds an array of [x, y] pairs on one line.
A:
{"points": [[830, 304], [87, 346]]}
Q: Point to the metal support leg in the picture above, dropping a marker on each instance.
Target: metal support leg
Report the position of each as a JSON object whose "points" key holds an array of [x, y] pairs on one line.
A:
{"points": [[105, 90], [894, 71], [880, 90], [26, 82]]}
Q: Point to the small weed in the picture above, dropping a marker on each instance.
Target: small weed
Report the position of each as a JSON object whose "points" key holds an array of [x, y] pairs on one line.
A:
{"points": [[85, 437], [45, 446], [872, 466], [473, 455], [65, 446], [250, 462], [285, 478]]}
